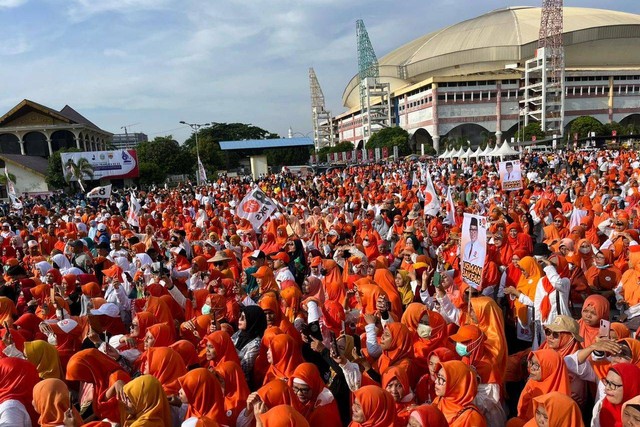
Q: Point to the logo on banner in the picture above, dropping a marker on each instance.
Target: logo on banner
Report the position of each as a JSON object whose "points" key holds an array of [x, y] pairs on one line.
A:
{"points": [[251, 206]]}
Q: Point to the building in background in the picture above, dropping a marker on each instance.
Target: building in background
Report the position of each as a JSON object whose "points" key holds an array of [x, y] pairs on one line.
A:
{"points": [[466, 80], [128, 140]]}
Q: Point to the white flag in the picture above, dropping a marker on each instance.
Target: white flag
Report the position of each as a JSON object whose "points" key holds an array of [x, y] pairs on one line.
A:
{"points": [[134, 211], [451, 209], [201, 171], [256, 207], [11, 191], [431, 201], [100, 192]]}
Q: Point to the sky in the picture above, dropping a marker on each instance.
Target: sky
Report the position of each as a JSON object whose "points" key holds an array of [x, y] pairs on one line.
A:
{"points": [[148, 64]]}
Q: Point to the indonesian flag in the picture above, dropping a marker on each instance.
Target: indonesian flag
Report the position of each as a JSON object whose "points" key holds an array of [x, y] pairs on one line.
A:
{"points": [[431, 201], [100, 192], [134, 211], [451, 209]]}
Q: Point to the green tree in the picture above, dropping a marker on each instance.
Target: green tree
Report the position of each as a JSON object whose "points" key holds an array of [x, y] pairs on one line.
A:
{"points": [[55, 176], [151, 173], [390, 137], [529, 131], [341, 147], [608, 128], [78, 171], [584, 125], [171, 157]]}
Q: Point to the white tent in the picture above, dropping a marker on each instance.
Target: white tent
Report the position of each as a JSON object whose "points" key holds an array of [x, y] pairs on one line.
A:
{"points": [[467, 154], [477, 153], [444, 155], [457, 154], [506, 150], [486, 151]]}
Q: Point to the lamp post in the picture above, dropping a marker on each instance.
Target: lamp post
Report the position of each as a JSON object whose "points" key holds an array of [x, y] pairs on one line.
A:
{"points": [[196, 128]]}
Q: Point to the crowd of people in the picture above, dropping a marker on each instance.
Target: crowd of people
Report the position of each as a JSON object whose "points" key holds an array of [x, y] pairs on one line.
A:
{"points": [[347, 306]]}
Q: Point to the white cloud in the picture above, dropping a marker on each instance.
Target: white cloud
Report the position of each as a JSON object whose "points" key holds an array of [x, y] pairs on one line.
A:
{"points": [[79, 10], [8, 4], [14, 46]]}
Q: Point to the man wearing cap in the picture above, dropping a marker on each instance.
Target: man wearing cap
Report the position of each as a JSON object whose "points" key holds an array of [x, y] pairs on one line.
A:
{"points": [[80, 258], [257, 259], [281, 268], [474, 251], [116, 247], [102, 234]]}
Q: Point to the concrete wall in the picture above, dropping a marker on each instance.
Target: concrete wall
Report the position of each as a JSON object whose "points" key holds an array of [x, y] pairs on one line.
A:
{"points": [[26, 180]]}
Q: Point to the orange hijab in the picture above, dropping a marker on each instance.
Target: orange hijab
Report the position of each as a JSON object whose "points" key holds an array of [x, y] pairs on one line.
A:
{"points": [[167, 366], [491, 323], [286, 356], [384, 278], [283, 416], [236, 390], [51, 400], [267, 279], [561, 409], [601, 306], [204, 394], [332, 281], [400, 352], [377, 405], [461, 388], [224, 348], [318, 413], [527, 285], [631, 278], [554, 378]]}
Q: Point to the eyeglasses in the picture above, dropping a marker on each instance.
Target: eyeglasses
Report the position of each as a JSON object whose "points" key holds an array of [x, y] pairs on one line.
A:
{"points": [[218, 263], [134, 325], [557, 220], [301, 390], [551, 333], [619, 224], [440, 380], [533, 366], [610, 385]]}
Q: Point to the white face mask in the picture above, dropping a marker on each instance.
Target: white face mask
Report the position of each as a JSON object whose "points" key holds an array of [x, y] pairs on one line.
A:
{"points": [[424, 331], [366, 243], [585, 250]]}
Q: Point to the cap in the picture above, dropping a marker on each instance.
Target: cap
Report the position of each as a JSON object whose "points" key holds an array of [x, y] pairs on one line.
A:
{"points": [[116, 237], [32, 243], [107, 309], [466, 333], [76, 243], [282, 256], [102, 245], [316, 261], [541, 249], [257, 254], [565, 324], [6, 224]]}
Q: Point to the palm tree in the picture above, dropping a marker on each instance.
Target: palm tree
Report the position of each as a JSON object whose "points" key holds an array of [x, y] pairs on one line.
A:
{"points": [[78, 171]]}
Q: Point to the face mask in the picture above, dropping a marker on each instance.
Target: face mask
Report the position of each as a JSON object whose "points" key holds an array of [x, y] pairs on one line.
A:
{"points": [[112, 246], [366, 243], [585, 250], [424, 331], [461, 349], [323, 271], [206, 309]]}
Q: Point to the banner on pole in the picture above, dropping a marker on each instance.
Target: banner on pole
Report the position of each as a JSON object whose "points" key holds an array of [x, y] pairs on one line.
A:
{"points": [[100, 192], [474, 249], [256, 207]]}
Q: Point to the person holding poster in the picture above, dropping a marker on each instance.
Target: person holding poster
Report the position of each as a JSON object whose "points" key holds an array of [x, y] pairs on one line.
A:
{"points": [[510, 175], [474, 242]]}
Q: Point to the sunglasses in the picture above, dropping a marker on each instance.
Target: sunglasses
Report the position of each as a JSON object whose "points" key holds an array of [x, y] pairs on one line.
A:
{"points": [[619, 224], [218, 263], [551, 333]]}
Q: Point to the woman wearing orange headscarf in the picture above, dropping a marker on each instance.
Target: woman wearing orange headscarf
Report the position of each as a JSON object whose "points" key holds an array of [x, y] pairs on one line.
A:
{"points": [[269, 303], [595, 308], [18, 377], [555, 409], [395, 349], [284, 355], [603, 276], [396, 381], [220, 349], [282, 416], [317, 404], [527, 284], [167, 366], [430, 332], [51, 400], [373, 407], [235, 388], [547, 373], [555, 232], [147, 404], [630, 280], [202, 392], [332, 281], [456, 387], [384, 278], [266, 280]]}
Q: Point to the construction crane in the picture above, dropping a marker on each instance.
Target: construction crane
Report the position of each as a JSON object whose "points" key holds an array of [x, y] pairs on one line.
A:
{"points": [[322, 121], [544, 74], [375, 97], [126, 134]]}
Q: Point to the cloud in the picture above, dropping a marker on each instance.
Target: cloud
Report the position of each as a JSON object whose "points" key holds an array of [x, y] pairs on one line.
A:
{"points": [[15, 46], [8, 4], [79, 10]]}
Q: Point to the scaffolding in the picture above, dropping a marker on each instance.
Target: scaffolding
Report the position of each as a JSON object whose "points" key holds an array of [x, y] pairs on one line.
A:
{"points": [[323, 134]]}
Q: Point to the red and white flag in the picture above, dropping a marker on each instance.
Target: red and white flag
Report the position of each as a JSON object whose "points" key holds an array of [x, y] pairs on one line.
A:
{"points": [[134, 211], [256, 207], [431, 201], [450, 219]]}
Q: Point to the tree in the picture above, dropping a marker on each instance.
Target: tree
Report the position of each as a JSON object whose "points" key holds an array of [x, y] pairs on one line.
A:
{"points": [[390, 137], [609, 128], [151, 173], [584, 125], [165, 152], [529, 131], [55, 177]]}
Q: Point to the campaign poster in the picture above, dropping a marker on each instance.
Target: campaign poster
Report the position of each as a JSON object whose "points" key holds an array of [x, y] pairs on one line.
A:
{"points": [[385, 152], [377, 153], [473, 249], [510, 175], [256, 207], [370, 155], [114, 164]]}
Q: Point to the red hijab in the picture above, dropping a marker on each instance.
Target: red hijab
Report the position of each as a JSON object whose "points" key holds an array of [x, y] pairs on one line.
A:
{"points": [[610, 414]]}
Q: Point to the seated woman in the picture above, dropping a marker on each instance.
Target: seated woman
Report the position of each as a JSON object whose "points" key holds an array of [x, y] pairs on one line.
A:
{"points": [[372, 406], [555, 409], [456, 387], [51, 401], [426, 416], [202, 392], [425, 392], [145, 403], [317, 403], [621, 383]]}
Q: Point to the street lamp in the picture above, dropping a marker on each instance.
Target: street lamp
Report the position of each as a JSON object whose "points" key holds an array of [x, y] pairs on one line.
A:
{"points": [[196, 128]]}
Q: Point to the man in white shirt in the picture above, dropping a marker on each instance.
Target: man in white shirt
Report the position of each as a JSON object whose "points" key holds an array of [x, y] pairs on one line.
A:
{"points": [[281, 268]]}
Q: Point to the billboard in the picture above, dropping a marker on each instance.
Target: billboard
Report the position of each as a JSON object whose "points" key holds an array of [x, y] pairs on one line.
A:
{"points": [[474, 242], [114, 164]]}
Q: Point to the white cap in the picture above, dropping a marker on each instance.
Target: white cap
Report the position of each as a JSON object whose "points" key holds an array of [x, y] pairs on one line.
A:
{"points": [[107, 309], [102, 227], [116, 237], [32, 243]]}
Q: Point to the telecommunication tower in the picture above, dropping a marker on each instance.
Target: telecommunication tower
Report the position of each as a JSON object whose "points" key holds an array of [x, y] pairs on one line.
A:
{"points": [[375, 97], [322, 122], [544, 74]]}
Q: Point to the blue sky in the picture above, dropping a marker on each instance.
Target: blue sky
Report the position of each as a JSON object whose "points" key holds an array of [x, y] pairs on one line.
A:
{"points": [[156, 62]]}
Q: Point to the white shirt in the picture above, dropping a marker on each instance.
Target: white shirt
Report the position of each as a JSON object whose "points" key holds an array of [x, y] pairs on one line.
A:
{"points": [[13, 414], [284, 274]]}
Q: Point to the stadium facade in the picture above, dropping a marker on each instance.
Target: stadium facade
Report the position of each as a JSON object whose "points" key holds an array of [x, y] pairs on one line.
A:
{"points": [[466, 80]]}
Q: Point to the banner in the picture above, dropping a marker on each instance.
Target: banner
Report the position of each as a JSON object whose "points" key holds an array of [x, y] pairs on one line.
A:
{"points": [[134, 211], [256, 207], [377, 154], [202, 172], [11, 191], [395, 152], [385, 152], [431, 201], [473, 249], [370, 155], [510, 175], [451, 209], [116, 164], [100, 192]]}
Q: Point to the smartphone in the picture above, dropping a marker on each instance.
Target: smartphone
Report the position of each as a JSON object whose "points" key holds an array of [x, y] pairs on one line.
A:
{"points": [[437, 278], [334, 344], [605, 328]]}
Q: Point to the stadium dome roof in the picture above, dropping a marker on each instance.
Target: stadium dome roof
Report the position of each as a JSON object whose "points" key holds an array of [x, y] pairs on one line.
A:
{"points": [[593, 38]]}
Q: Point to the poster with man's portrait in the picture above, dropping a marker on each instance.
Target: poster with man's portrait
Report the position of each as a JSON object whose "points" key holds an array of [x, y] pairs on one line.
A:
{"points": [[510, 175], [473, 249]]}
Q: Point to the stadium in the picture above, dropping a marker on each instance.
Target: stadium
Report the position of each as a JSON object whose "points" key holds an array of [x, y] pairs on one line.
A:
{"points": [[465, 80]]}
